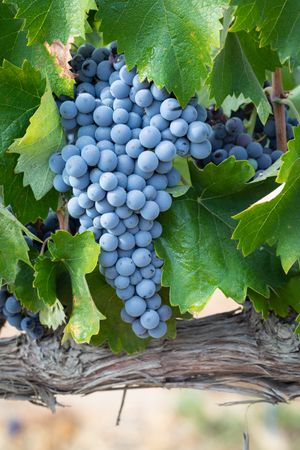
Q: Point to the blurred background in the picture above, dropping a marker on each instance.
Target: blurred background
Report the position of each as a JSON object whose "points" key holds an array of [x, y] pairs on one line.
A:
{"points": [[152, 419]]}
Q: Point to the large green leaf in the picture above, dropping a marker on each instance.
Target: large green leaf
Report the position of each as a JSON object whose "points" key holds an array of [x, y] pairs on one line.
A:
{"points": [[169, 41], [13, 47], [276, 221], [13, 247], [79, 256], [43, 137], [278, 22], [240, 68], [24, 290], [59, 19], [20, 96], [24, 205], [196, 242]]}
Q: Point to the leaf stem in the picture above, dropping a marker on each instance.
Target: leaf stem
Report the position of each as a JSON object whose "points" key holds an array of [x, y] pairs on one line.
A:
{"points": [[279, 110], [63, 219]]}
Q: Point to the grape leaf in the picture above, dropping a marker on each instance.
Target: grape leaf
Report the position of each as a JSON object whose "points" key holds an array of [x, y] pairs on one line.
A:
{"points": [[13, 47], [240, 68], [276, 221], [169, 41], [20, 96], [278, 23], [282, 301], [52, 316], [43, 137], [13, 247], [24, 290], [25, 207], [79, 255], [196, 242], [59, 19], [117, 333]]}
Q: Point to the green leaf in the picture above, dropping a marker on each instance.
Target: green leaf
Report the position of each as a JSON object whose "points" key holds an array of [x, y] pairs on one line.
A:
{"points": [[13, 47], [20, 96], [276, 221], [169, 41], [43, 137], [281, 301], [240, 68], [117, 333], [196, 244], [13, 247], [24, 290], [24, 205], [78, 255], [278, 23], [52, 316], [56, 20]]}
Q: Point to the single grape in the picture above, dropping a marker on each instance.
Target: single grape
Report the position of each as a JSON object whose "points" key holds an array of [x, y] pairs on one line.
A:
{"points": [[238, 152], [134, 120], [150, 210], [143, 238], [120, 133], [150, 319], [84, 140], [179, 127], [127, 75], [158, 94], [159, 331], [159, 122], [164, 200], [197, 132], [170, 109], [126, 241], [103, 207], [125, 294], [143, 98], [125, 164], [137, 328], [122, 282], [135, 182], [119, 89], [125, 266], [91, 154], [120, 115], [89, 68], [126, 317], [123, 212], [165, 151], [141, 257], [189, 114], [108, 161], [104, 70], [219, 156], [85, 103], [165, 312], [147, 161], [117, 197], [12, 305], [108, 259], [243, 140], [109, 220], [276, 155], [234, 126], [264, 161], [156, 230], [74, 209], [150, 137], [154, 302], [254, 150]]}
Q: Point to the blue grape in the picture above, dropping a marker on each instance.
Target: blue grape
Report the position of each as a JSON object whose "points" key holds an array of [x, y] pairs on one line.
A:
{"points": [[179, 127], [108, 161], [125, 266], [234, 126], [136, 277], [124, 103], [122, 179], [150, 319], [264, 161], [95, 175], [158, 94], [79, 182], [27, 323], [85, 87], [86, 221], [159, 122], [59, 184], [149, 192], [104, 70], [91, 154], [125, 164], [87, 130], [120, 134], [56, 163], [108, 259], [126, 75], [137, 327], [173, 177], [119, 89], [99, 54], [84, 201], [135, 200], [84, 119], [156, 230], [143, 238], [159, 331], [135, 306], [74, 209], [68, 124], [146, 288], [68, 110], [108, 242], [138, 84], [12, 305], [165, 312], [158, 181], [89, 68], [126, 317], [145, 225], [201, 150], [238, 152], [126, 241], [117, 197], [68, 151], [148, 271], [134, 148], [124, 212], [244, 140], [103, 207], [103, 116], [189, 114], [131, 221], [154, 302], [120, 115], [85, 103], [125, 294], [134, 120], [141, 257], [150, 210], [122, 282], [197, 132], [165, 151], [95, 192], [109, 220], [83, 141], [114, 77], [150, 137], [170, 109], [276, 155], [143, 98], [219, 156], [135, 182], [105, 145], [147, 161]]}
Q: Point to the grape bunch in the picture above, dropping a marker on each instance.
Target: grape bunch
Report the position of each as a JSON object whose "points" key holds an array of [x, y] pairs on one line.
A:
{"points": [[19, 317], [123, 134], [230, 139]]}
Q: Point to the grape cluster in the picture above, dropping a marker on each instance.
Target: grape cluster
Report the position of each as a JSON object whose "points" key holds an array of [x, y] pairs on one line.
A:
{"points": [[18, 317], [230, 139], [269, 129], [124, 133]]}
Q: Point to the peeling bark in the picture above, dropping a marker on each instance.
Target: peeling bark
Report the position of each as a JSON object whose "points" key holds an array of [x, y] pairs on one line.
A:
{"points": [[232, 352]]}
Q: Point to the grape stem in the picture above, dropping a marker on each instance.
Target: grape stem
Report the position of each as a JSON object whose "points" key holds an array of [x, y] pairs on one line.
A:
{"points": [[279, 110], [63, 219]]}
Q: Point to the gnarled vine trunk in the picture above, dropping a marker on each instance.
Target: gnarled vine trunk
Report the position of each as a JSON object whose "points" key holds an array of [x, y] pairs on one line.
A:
{"points": [[233, 352]]}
